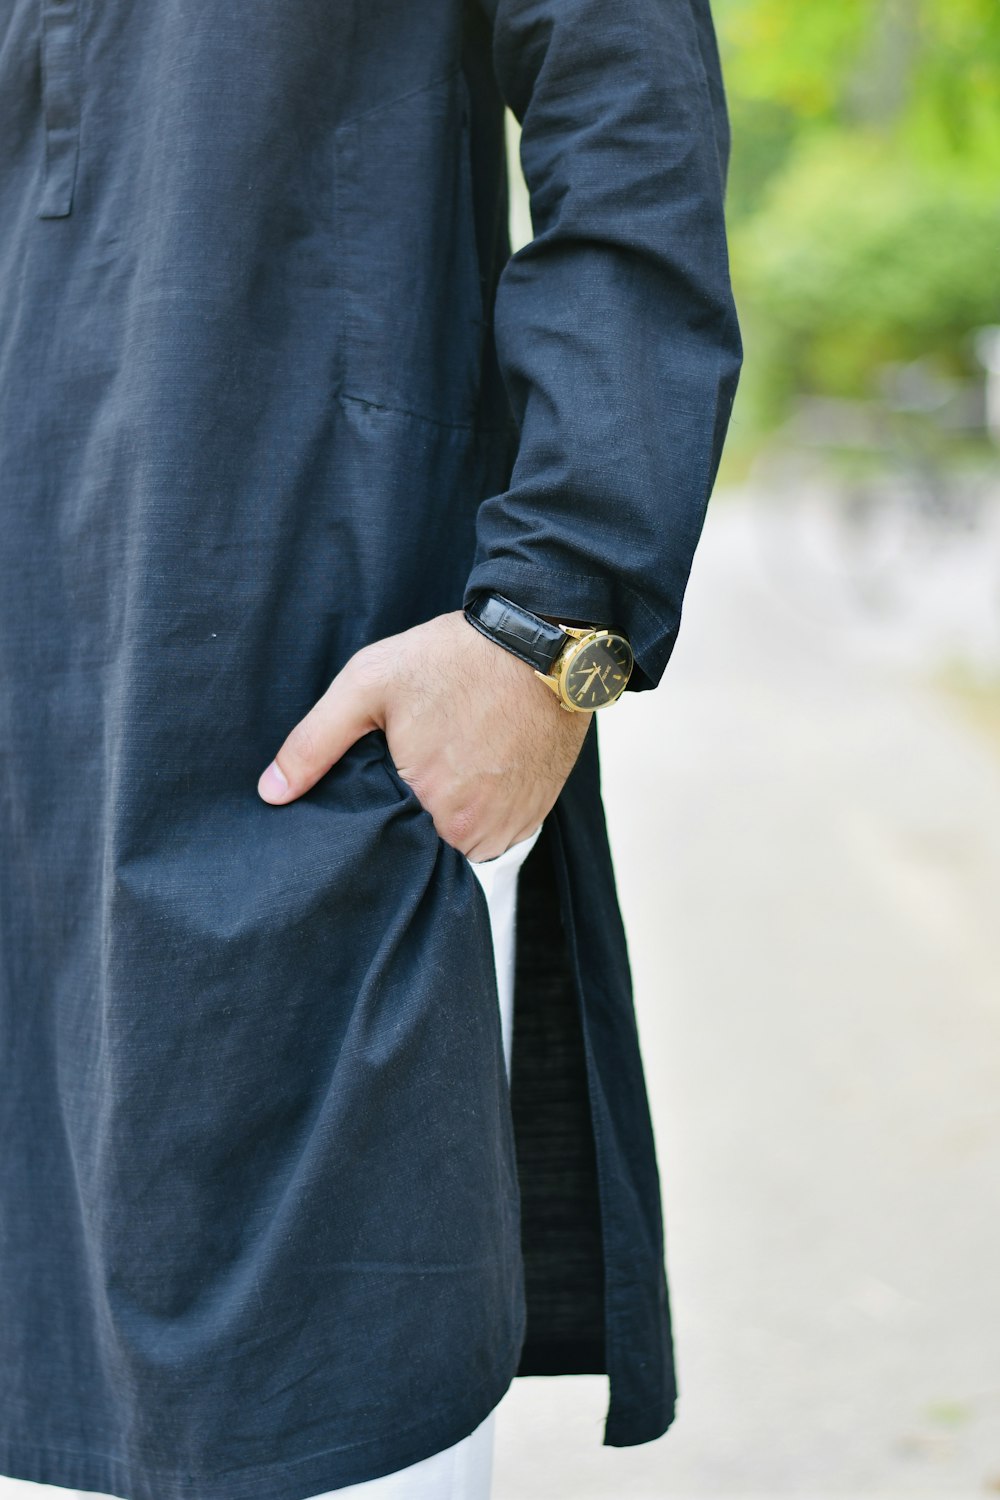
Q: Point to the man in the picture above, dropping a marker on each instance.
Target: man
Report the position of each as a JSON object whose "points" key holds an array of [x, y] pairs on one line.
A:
{"points": [[302, 477]]}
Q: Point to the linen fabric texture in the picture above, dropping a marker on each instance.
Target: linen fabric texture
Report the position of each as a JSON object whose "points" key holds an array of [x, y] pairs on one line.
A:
{"points": [[463, 1471], [273, 387]]}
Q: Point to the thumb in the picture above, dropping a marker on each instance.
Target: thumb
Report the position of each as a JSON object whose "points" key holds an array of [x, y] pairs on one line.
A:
{"points": [[352, 705]]}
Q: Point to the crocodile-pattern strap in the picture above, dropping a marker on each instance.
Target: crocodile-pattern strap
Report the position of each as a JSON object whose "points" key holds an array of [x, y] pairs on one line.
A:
{"points": [[528, 636]]}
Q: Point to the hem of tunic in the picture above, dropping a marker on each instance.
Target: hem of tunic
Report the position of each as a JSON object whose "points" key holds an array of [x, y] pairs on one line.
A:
{"points": [[288, 1478], [639, 1424]]}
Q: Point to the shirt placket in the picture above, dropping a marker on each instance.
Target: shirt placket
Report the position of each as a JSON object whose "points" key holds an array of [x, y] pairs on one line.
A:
{"points": [[60, 74]]}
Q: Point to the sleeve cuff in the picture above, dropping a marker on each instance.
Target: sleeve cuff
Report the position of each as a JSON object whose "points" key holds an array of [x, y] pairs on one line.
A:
{"points": [[602, 601]]}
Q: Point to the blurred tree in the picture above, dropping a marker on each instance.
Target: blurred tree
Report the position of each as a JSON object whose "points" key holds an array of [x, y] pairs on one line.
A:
{"points": [[865, 185]]}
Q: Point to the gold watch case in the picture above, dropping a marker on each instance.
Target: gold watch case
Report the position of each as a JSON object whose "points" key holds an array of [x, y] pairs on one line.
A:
{"points": [[591, 670]]}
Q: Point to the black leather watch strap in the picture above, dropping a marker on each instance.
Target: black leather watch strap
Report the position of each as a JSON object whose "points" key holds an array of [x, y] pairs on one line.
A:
{"points": [[528, 636]]}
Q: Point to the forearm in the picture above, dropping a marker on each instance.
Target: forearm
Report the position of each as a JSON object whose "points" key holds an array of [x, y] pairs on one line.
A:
{"points": [[615, 326]]}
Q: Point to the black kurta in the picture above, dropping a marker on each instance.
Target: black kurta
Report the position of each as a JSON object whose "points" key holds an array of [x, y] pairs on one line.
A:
{"points": [[272, 387]]}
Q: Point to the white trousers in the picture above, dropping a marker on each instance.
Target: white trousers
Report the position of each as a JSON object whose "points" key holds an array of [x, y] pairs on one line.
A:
{"points": [[465, 1470]]}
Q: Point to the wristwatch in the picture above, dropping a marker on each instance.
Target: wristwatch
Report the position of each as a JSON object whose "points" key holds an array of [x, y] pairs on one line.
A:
{"points": [[586, 667]]}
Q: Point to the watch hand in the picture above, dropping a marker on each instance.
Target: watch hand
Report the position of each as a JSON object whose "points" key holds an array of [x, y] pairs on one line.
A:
{"points": [[595, 671]]}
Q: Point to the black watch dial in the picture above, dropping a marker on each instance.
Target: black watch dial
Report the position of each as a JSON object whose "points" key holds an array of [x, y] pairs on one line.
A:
{"points": [[598, 672]]}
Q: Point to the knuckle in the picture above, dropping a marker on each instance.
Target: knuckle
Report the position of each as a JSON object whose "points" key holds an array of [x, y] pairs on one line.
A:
{"points": [[301, 746], [458, 827], [368, 666]]}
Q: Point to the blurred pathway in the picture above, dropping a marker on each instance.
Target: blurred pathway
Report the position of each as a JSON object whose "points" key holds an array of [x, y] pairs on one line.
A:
{"points": [[807, 843]]}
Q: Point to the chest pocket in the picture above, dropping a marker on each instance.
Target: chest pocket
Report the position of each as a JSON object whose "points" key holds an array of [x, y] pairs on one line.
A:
{"points": [[60, 75], [411, 331]]}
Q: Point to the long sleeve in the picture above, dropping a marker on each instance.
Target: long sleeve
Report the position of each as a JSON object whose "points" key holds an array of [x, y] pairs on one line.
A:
{"points": [[615, 328]]}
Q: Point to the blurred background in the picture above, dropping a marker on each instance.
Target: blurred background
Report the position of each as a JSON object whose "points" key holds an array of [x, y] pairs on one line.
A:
{"points": [[805, 816]]}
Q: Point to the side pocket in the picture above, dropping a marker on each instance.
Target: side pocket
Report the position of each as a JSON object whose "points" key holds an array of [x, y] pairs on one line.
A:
{"points": [[60, 73], [408, 795], [403, 789]]}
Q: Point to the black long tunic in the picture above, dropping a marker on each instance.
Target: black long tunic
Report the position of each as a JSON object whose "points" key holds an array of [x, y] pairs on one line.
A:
{"points": [[272, 387]]}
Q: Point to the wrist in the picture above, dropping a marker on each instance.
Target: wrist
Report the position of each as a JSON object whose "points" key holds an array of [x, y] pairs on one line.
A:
{"points": [[585, 665]]}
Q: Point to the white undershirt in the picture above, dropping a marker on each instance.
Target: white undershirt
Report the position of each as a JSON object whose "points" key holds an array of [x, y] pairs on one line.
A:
{"points": [[498, 878]]}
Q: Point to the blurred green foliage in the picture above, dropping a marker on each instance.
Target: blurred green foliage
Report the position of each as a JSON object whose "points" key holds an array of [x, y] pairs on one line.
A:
{"points": [[864, 193]]}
